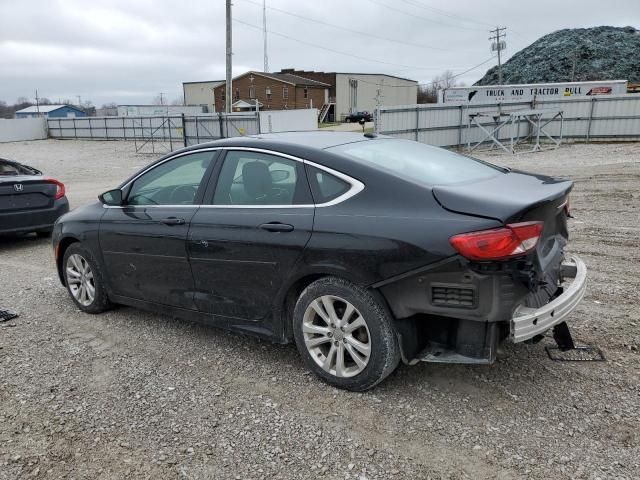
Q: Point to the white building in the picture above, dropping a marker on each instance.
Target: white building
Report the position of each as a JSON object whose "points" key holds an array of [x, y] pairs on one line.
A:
{"points": [[357, 92], [201, 93]]}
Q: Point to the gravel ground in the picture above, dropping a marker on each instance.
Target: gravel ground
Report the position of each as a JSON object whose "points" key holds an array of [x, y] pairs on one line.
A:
{"points": [[129, 394]]}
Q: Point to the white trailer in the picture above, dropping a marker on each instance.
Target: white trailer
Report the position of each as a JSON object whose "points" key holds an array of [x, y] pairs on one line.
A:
{"points": [[492, 94]]}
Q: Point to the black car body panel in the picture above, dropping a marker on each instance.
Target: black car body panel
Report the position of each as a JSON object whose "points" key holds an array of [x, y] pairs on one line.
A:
{"points": [[229, 267], [27, 199]]}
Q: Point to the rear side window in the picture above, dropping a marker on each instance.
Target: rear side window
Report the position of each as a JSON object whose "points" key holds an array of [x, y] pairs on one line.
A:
{"points": [[324, 186], [417, 162]]}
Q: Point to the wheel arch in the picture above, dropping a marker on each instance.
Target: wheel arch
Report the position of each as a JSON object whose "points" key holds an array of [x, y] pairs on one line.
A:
{"points": [[62, 247]]}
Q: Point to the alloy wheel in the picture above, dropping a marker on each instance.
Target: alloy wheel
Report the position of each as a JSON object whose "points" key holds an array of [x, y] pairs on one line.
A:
{"points": [[80, 280], [336, 336]]}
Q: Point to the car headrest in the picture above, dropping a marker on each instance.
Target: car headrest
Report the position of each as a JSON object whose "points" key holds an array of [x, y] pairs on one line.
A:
{"points": [[257, 180]]}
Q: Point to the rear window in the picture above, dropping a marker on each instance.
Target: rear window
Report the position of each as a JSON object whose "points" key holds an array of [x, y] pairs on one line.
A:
{"points": [[417, 162]]}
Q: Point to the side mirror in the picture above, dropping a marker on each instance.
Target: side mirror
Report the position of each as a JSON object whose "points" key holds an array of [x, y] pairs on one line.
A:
{"points": [[112, 197]]}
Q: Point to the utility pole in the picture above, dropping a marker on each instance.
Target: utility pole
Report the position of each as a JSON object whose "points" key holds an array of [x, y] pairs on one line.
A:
{"points": [[79, 100], [227, 95], [37, 103], [264, 33], [498, 46], [376, 113], [161, 98]]}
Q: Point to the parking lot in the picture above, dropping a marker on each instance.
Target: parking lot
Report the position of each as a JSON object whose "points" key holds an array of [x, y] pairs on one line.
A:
{"points": [[130, 394]]}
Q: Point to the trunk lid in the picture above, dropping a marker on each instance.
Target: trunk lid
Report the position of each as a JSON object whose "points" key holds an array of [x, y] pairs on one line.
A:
{"points": [[516, 197], [25, 192], [506, 197]]}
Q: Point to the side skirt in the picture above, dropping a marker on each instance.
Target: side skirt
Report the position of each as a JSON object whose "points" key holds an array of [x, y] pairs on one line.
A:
{"points": [[234, 325]]}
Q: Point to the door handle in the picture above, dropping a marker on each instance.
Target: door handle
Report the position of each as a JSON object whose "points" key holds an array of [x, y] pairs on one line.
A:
{"points": [[277, 227], [172, 221]]}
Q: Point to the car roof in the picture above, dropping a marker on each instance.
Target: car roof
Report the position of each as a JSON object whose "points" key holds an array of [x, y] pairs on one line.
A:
{"points": [[314, 139]]}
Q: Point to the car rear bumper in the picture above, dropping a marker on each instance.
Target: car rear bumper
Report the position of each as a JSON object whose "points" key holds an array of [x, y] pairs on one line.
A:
{"points": [[33, 220], [529, 322]]}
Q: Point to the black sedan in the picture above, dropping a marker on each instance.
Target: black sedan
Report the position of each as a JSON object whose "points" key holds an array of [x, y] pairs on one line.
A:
{"points": [[364, 250], [29, 201]]}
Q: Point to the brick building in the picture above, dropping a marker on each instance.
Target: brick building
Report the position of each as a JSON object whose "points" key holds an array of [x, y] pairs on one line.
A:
{"points": [[334, 94], [274, 91]]}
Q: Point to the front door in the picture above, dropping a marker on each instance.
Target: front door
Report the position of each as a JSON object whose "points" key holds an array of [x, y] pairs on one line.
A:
{"points": [[244, 244], [144, 241]]}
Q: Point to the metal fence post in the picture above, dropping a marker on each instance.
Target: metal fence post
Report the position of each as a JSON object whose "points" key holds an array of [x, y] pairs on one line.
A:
{"points": [[417, 121], [75, 132], [197, 130], [106, 129], [124, 130], [90, 129], [593, 102], [220, 124], [184, 130], [460, 130]]}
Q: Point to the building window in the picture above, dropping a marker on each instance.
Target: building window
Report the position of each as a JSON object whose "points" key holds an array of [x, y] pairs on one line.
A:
{"points": [[285, 93], [267, 91], [305, 93], [252, 91], [222, 95], [237, 94]]}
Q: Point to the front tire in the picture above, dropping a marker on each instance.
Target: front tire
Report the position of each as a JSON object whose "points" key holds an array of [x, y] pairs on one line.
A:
{"points": [[345, 334], [84, 280]]}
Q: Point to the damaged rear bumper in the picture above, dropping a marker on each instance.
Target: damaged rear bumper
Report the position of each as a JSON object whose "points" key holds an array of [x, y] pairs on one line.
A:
{"points": [[529, 322]]}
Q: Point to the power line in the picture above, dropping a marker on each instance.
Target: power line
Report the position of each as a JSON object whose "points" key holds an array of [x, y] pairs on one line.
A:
{"points": [[430, 20], [346, 29], [444, 13], [304, 42], [433, 82]]}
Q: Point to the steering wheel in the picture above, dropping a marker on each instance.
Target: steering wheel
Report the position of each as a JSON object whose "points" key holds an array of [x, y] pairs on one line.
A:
{"points": [[183, 194]]}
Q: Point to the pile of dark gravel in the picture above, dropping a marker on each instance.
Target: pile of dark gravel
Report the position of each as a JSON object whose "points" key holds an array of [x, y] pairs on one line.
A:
{"points": [[600, 53]]}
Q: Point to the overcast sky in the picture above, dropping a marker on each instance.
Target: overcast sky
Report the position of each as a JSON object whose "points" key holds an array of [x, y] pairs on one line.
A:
{"points": [[127, 51]]}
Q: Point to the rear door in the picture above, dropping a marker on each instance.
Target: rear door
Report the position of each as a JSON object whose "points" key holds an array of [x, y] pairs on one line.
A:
{"points": [[144, 241], [246, 241]]}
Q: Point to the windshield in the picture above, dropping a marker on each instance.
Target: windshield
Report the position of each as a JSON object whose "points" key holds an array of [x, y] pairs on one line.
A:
{"points": [[417, 162]]}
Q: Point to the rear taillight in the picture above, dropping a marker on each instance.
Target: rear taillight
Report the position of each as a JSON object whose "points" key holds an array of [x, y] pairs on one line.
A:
{"points": [[500, 243], [59, 188]]}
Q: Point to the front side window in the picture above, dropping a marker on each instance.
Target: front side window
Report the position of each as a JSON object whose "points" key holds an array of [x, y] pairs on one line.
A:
{"points": [[417, 162], [174, 182], [253, 178]]}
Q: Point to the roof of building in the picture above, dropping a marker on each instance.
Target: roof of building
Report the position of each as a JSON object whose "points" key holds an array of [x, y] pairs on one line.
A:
{"points": [[243, 104], [205, 81], [46, 108], [286, 78], [285, 70]]}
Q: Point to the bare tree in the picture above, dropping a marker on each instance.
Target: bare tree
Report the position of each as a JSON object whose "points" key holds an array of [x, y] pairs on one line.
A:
{"points": [[429, 93]]}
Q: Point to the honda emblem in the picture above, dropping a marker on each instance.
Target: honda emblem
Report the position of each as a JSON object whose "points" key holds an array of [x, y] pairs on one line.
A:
{"points": [[18, 187]]}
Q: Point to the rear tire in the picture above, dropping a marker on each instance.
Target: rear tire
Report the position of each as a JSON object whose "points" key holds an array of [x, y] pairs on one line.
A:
{"points": [[84, 279], [345, 334]]}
